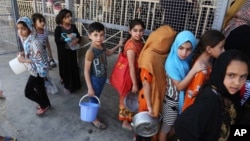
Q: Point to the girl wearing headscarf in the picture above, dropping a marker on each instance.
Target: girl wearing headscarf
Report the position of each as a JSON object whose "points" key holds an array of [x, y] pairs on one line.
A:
{"points": [[151, 63], [178, 77], [35, 58], [214, 109], [238, 33]]}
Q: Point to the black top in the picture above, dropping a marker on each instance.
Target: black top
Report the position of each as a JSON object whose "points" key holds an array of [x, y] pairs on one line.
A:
{"points": [[201, 121]]}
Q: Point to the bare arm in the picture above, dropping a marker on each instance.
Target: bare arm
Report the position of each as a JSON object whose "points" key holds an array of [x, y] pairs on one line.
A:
{"points": [[182, 85], [132, 69], [87, 68], [112, 50], [147, 90]]}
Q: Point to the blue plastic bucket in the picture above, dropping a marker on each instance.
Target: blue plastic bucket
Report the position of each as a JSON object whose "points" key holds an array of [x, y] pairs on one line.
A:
{"points": [[88, 110]]}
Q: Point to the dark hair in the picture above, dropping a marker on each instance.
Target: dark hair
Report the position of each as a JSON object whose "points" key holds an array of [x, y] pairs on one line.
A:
{"points": [[209, 38], [24, 24], [37, 16], [62, 14], [96, 26]]}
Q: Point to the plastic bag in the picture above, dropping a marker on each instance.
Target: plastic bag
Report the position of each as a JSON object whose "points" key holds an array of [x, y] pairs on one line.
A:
{"points": [[50, 86]]}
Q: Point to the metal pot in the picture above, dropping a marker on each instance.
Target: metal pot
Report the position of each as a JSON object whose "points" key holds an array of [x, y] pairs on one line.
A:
{"points": [[131, 102], [145, 125]]}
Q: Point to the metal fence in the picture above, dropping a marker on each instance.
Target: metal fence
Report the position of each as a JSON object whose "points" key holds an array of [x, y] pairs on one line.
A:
{"points": [[8, 42]]}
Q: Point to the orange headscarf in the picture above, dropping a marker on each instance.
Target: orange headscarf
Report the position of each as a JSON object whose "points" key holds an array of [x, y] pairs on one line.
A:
{"points": [[152, 58]]}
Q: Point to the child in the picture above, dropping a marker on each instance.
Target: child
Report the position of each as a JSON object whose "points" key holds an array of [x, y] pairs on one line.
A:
{"points": [[68, 65], [132, 49], [211, 45], [35, 58], [214, 110], [152, 75], [42, 34], [95, 69], [178, 77]]}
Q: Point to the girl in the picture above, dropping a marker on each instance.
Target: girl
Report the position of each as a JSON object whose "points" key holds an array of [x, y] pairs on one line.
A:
{"points": [[211, 45], [152, 75], [132, 49], [42, 34], [178, 78], [35, 58], [214, 109], [68, 66]]}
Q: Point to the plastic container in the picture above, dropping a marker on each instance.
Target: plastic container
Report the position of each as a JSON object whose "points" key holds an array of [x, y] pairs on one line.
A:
{"points": [[69, 40], [88, 110], [16, 66]]}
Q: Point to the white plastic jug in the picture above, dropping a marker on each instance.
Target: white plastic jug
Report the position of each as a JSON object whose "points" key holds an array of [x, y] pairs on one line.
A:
{"points": [[16, 66]]}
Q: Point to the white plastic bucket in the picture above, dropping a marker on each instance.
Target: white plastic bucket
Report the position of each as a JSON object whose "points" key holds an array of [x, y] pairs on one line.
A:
{"points": [[89, 110], [16, 66]]}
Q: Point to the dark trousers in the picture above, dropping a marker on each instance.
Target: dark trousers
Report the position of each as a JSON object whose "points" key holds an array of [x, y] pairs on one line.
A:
{"points": [[35, 91]]}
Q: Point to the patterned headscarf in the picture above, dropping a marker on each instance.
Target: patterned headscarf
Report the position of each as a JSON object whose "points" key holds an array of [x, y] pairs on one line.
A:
{"points": [[242, 17], [27, 21]]}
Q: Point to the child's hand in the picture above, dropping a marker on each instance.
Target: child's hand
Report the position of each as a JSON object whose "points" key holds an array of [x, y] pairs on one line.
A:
{"points": [[199, 66], [91, 92], [150, 111], [21, 59], [71, 35], [121, 42], [74, 41], [134, 89]]}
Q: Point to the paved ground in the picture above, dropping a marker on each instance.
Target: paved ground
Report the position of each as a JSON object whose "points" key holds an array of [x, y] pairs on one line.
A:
{"points": [[62, 122]]}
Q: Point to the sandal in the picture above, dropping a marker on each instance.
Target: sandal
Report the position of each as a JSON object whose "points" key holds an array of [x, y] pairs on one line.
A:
{"points": [[99, 125], [42, 111]]}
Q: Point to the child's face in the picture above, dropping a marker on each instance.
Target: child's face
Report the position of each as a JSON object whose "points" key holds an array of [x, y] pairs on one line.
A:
{"points": [[67, 19], [137, 32], [184, 50], [40, 24], [236, 76], [22, 31], [97, 38], [217, 50]]}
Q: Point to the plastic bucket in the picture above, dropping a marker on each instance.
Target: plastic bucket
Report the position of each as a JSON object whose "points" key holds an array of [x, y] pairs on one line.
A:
{"points": [[88, 111], [16, 66]]}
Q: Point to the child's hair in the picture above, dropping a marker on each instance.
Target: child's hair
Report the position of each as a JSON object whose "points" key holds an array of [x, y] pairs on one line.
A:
{"points": [[96, 26], [61, 15], [37, 16], [209, 38]]}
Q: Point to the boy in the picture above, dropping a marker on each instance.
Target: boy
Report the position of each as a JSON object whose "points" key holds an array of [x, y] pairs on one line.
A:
{"points": [[95, 70]]}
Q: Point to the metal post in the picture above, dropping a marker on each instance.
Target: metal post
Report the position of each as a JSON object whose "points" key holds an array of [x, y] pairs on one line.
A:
{"points": [[14, 11], [219, 14]]}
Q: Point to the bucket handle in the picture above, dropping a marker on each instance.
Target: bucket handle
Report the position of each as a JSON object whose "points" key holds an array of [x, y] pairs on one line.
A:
{"points": [[88, 95]]}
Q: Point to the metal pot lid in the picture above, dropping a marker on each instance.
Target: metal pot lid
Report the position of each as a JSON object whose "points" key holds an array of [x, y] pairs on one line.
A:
{"points": [[131, 102]]}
